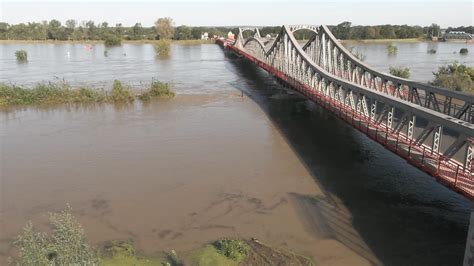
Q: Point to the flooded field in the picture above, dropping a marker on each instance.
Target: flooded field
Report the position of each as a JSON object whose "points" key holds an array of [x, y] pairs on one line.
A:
{"points": [[178, 173]]}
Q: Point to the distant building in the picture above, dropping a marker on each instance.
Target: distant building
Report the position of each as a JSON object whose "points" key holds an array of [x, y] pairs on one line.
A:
{"points": [[205, 36], [230, 35], [458, 35]]}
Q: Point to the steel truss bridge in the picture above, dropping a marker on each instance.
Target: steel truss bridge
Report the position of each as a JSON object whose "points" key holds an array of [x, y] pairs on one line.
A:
{"points": [[430, 127]]}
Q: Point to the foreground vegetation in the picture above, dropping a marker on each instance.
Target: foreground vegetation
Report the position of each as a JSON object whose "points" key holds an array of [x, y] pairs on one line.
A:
{"points": [[63, 93], [67, 245]]}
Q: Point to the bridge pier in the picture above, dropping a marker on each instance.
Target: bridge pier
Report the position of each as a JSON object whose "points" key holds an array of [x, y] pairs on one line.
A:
{"points": [[469, 251]]}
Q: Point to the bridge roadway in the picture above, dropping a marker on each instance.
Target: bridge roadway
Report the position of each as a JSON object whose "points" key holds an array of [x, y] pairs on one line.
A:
{"points": [[432, 128]]}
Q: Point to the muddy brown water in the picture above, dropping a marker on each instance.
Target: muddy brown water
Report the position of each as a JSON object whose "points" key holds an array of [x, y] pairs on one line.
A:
{"points": [[176, 174]]}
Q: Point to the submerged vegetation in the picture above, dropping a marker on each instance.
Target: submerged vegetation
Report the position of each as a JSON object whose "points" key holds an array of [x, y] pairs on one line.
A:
{"points": [[162, 47], [456, 76], [402, 72], [112, 40], [392, 49], [157, 89], [57, 93], [21, 56]]}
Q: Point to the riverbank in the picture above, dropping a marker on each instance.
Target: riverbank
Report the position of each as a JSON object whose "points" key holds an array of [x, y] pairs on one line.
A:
{"points": [[386, 40], [210, 41], [62, 93]]}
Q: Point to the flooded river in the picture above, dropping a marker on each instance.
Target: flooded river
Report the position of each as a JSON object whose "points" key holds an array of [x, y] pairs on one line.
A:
{"points": [[178, 173]]}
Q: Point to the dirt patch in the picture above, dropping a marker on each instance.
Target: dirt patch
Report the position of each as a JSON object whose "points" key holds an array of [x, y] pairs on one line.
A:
{"points": [[262, 254]]}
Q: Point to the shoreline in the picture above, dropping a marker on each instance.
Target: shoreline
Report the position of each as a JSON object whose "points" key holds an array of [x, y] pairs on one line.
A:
{"points": [[387, 40], [102, 42]]}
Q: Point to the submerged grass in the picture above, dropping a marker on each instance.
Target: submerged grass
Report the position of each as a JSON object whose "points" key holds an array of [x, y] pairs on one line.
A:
{"points": [[209, 256], [63, 93], [122, 253], [157, 89]]}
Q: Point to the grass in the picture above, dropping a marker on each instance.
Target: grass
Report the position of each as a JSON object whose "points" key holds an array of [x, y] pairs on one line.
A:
{"points": [[192, 42], [209, 256], [234, 249], [210, 41], [384, 40], [21, 56], [122, 253], [62, 93]]}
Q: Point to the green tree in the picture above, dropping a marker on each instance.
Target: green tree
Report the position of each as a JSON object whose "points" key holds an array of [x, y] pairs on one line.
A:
{"points": [[70, 27], [456, 76], [343, 30], [71, 24], [3, 30], [196, 32], [137, 32], [165, 27], [183, 33], [91, 30], [434, 30], [54, 30]]}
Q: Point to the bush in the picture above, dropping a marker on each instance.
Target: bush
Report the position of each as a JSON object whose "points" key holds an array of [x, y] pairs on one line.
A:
{"points": [[431, 51], [65, 246], [402, 72], [112, 40], [357, 54], [162, 47], [121, 93], [457, 77], [234, 249], [392, 49], [157, 89], [21, 56], [463, 51]]}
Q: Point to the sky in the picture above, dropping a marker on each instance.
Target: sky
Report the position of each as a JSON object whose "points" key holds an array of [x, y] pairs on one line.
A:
{"points": [[246, 12]]}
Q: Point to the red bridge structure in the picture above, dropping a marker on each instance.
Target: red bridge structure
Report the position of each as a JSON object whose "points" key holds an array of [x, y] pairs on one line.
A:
{"points": [[431, 128]]}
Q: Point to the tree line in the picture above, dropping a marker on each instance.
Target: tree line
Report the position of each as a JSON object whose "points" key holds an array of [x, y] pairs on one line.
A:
{"points": [[89, 30]]}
